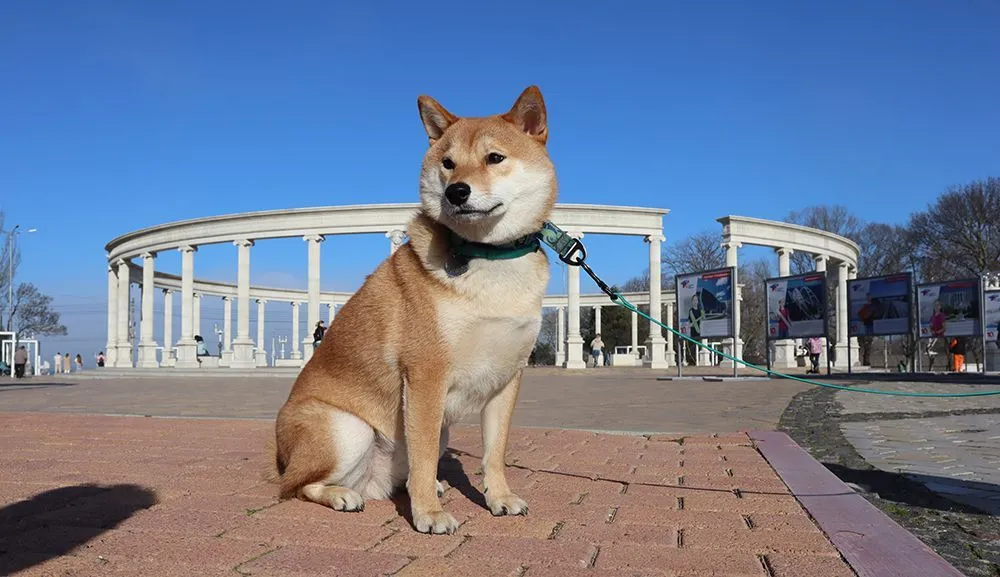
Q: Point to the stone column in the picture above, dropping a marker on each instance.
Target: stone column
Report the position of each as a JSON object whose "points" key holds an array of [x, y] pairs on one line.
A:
{"points": [[296, 353], [167, 359], [820, 261], [196, 315], [635, 335], [187, 349], [226, 357], [111, 352], [396, 239], [657, 359], [243, 355], [124, 348], [147, 344], [842, 273], [330, 314], [574, 341], [852, 273], [260, 359], [732, 259], [784, 350], [561, 337], [597, 319], [312, 307]]}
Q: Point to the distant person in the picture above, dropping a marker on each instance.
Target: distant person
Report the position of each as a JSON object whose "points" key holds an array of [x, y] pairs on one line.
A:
{"points": [[57, 364], [815, 349], [783, 322], [318, 334], [100, 359], [957, 350], [202, 347], [20, 360], [79, 363], [67, 363], [695, 315], [596, 347]]}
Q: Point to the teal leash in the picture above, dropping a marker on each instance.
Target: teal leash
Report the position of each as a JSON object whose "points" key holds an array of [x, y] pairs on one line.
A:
{"points": [[572, 252]]}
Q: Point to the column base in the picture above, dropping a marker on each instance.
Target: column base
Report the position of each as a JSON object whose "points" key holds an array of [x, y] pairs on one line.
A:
{"points": [[147, 356], [295, 356], [241, 357], [656, 359], [784, 355], [574, 357], [560, 358], [840, 360], [260, 357], [123, 356], [307, 350], [110, 354], [187, 355], [727, 348], [226, 358]]}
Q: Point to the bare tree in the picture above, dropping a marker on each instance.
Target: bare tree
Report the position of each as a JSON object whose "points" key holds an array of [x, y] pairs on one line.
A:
{"points": [[6, 271], [959, 235], [32, 313], [702, 251], [885, 250], [836, 219], [753, 311]]}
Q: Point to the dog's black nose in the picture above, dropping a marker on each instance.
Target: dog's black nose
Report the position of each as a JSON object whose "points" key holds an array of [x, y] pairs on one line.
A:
{"points": [[457, 193]]}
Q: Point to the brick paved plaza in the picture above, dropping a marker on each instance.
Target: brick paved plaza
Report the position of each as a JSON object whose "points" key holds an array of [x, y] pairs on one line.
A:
{"points": [[89, 488]]}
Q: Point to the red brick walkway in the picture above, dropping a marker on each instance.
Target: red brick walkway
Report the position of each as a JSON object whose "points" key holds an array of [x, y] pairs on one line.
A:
{"points": [[91, 495]]}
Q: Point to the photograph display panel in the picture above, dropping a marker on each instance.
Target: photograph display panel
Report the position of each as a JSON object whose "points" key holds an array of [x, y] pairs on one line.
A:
{"points": [[796, 306], [879, 306], [705, 303], [949, 309]]}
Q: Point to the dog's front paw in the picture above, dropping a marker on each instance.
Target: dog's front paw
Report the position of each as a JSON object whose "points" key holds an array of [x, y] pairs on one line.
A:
{"points": [[435, 522], [509, 504]]}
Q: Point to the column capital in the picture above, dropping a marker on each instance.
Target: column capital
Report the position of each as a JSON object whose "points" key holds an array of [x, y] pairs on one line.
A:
{"points": [[122, 262], [654, 237], [784, 250], [261, 301], [731, 244], [188, 248], [148, 254], [396, 235], [227, 298], [168, 291], [243, 242], [314, 238], [295, 304], [844, 266], [821, 257]]}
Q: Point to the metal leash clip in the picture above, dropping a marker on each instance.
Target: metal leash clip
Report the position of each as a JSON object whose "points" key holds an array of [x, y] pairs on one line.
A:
{"points": [[572, 252]]}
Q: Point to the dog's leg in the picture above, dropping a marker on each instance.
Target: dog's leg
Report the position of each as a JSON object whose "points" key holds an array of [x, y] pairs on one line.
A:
{"points": [[495, 417], [330, 451], [424, 406]]}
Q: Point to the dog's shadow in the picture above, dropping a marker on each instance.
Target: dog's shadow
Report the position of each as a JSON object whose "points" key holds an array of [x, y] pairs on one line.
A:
{"points": [[450, 471]]}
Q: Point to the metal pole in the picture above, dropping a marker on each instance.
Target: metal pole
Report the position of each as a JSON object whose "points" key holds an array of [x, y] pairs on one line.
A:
{"points": [[10, 276], [735, 364], [829, 362], [849, 353]]}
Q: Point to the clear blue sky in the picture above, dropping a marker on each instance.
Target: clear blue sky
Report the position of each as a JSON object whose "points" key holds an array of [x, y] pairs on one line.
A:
{"points": [[120, 115]]}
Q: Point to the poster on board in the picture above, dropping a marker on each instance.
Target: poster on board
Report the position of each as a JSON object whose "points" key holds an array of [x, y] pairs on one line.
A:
{"points": [[992, 313], [796, 306], [705, 303], [949, 309], [879, 306]]}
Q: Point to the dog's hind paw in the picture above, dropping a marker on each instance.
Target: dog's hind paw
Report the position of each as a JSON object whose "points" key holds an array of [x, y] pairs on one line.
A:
{"points": [[346, 500], [509, 504]]}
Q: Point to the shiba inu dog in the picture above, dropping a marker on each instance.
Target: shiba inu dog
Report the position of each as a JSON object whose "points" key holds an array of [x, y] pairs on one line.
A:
{"points": [[440, 330]]}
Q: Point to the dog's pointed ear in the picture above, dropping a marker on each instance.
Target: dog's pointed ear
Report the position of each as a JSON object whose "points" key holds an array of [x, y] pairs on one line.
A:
{"points": [[435, 117], [528, 114]]}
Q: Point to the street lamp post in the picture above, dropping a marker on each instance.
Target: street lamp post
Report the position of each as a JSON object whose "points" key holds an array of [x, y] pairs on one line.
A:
{"points": [[10, 272]]}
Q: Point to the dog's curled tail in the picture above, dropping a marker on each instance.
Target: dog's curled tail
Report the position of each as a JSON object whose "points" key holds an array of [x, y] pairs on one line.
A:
{"points": [[272, 474]]}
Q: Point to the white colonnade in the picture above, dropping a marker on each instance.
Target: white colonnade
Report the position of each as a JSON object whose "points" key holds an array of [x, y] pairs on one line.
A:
{"points": [[313, 225], [786, 239]]}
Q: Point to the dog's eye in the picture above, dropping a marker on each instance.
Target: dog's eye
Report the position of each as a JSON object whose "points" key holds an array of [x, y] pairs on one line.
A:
{"points": [[448, 163], [495, 158]]}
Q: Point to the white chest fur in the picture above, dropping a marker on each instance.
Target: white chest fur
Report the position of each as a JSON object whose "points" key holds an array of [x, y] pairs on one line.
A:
{"points": [[490, 328]]}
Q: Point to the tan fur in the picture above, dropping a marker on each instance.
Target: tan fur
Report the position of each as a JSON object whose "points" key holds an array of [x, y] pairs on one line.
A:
{"points": [[416, 349]]}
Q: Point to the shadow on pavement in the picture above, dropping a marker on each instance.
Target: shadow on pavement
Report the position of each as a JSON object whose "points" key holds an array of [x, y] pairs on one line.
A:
{"points": [[53, 523], [12, 384], [940, 493], [451, 472]]}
